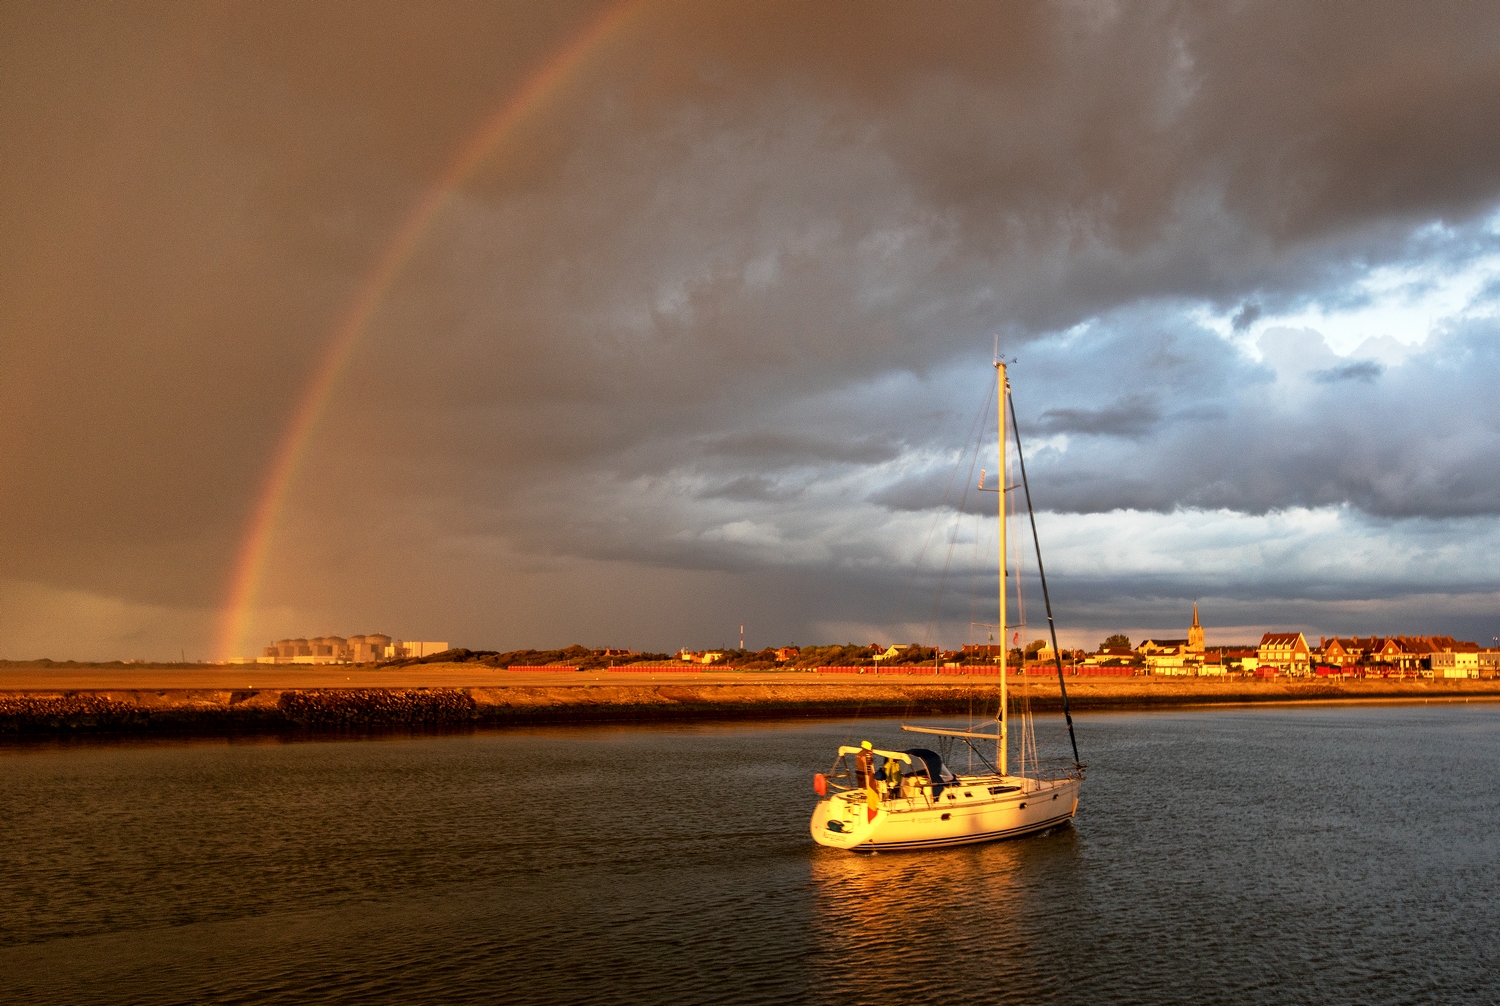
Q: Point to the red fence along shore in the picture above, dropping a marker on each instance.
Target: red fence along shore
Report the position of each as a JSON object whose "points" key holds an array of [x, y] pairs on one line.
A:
{"points": [[907, 670]]}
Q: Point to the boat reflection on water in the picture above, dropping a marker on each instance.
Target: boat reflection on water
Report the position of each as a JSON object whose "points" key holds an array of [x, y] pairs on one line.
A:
{"points": [[901, 918]]}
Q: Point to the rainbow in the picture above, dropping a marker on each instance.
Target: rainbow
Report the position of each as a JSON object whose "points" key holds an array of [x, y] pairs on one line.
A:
{"points": [[250, 559]]}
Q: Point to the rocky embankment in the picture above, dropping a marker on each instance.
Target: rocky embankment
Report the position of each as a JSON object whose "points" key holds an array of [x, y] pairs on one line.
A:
{"points": [[345, 709], [39, 713]]}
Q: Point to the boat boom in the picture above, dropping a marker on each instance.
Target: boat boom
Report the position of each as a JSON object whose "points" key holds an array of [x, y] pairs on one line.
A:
{"points": [[951, 733]]}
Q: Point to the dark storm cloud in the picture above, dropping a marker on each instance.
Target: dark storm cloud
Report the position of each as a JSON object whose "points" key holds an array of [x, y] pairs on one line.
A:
{"points": [[1245, 317], [762, 213], [740, 240]]}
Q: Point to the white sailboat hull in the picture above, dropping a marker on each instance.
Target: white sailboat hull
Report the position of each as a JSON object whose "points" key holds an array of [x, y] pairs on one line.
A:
{"points": [[964, 812]]}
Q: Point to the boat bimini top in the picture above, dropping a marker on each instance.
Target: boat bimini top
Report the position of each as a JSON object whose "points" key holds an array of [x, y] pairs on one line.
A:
{"points": [[922, 762], [898, 755], [933, 762]]}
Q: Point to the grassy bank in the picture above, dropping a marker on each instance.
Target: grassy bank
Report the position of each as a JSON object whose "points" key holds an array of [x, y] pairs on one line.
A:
{"points": [[40, 712]]}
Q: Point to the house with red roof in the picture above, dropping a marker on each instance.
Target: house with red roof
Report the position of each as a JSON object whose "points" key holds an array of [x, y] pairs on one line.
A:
{"points": [[1332, 652], [1288, 652]]}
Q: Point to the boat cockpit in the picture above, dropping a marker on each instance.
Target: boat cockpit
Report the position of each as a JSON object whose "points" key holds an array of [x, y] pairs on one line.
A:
{"points": [[904, 774]]}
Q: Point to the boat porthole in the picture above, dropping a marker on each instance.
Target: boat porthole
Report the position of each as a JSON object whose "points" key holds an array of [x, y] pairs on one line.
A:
{"points": [[1023, 806], [1054, 796], [946, 816]]}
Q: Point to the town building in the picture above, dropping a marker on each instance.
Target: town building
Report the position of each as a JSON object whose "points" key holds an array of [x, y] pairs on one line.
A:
{"points": [[1040, 651], [1172, 664], [1176, 656], [1455, 664], [1238, 659], [1416, 654], [1385, 652], [1287, 652], [1440, 656], [1332, 653], [1195, 633], [1165, 656], [1367, 649], [1110, 656]]}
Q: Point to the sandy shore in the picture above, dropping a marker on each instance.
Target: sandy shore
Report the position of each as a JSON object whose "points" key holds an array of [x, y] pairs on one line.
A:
{"points": [[41, 701]]}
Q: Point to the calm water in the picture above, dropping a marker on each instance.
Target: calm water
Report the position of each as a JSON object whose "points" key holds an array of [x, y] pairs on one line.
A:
{"points": [[1257, 856]]}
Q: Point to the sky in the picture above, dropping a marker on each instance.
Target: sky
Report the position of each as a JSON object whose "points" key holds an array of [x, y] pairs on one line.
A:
{"points": [[522, 325]]}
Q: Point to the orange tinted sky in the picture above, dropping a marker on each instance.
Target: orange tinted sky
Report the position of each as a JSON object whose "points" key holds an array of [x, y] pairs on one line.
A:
{"points": [[697, 339]]}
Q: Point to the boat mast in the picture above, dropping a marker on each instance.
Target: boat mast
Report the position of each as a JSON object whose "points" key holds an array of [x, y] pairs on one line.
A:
{"points": [[1000, 389]]}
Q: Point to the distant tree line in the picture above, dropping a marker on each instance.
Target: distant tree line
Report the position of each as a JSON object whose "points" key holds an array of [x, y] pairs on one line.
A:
{"points": [[574, 656], [837, 655]]}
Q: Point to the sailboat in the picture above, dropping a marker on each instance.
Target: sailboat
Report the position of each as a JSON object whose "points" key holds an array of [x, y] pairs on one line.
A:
{"points": [[910, 799]]}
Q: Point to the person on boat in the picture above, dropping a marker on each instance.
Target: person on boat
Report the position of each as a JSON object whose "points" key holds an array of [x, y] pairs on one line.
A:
{"points": [[864, 765], [893, 777], [864, 772]]}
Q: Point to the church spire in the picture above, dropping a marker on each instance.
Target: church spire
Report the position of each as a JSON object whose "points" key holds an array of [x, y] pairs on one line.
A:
{"points": [[1195, 634], [1195, 615]]}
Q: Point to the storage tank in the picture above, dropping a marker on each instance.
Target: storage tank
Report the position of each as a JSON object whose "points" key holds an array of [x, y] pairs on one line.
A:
{"points": [[379, 644]]}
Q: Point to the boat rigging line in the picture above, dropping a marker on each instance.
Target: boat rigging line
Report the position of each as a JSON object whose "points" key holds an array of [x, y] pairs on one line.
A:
{"points": [[1042, 575]]}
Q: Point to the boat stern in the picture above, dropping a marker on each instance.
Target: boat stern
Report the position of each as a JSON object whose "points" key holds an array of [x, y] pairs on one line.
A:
{"points": [[843, 821]]}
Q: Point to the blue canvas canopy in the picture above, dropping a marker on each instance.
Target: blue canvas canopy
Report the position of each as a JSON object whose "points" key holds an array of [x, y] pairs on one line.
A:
{"points": [[936, 770]]}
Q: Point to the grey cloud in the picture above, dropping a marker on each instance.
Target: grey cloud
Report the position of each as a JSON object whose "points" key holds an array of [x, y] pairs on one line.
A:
{"points": [[1223, 435], [1490, 293], [751, 488], [1367, 371], [1133, 416], [1245, 317], [934, 490], [1391, 451], [788, 449]]}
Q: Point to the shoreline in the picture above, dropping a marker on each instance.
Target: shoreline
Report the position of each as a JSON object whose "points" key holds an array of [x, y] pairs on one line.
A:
{"points": [[455, 698]]}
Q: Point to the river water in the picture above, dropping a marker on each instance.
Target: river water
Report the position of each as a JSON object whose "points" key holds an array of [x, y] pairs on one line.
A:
{"points": [[1323, 854]]}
